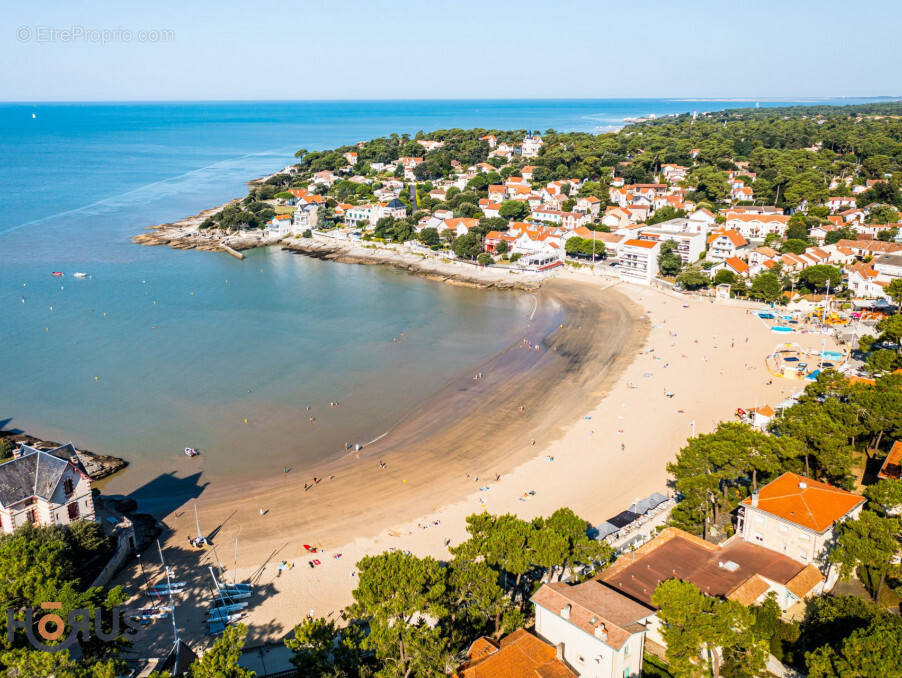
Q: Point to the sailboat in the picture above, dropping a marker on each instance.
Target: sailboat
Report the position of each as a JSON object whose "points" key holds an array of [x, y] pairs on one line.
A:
{"points": [[232, 590], [200, 540], [224, 608]]}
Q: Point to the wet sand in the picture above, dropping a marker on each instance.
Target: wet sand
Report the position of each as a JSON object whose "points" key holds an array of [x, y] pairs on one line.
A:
{"points": [[472, 429]]}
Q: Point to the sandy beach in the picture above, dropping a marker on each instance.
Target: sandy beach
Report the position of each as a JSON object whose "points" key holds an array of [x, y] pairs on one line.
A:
{"points": [[595, 432]]}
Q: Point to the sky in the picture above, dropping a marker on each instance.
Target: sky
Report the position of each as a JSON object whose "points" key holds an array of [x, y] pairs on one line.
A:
{"points": [[61, 50]]}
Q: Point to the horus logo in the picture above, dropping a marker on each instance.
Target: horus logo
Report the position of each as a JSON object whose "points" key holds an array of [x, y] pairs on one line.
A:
{"points": [[51, 626]]}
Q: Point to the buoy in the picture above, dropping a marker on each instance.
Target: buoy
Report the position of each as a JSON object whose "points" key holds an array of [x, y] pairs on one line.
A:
{"points": [[46, 329], [96, 378], [245, 421], [104, 315]]}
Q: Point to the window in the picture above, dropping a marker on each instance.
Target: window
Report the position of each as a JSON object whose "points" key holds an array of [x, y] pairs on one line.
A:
{"points": [[68, 487], [33, 516], [73, 510], [626, 650]]}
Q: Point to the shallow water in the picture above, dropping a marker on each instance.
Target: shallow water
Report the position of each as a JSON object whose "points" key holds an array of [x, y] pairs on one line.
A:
{"points": [[162, 349]]}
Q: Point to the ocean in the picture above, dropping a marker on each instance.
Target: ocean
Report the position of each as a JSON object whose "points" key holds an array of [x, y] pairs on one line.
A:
{"points": [[162, 349]]}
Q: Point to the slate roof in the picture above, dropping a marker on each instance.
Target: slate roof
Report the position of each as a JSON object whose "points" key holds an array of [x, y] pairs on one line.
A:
{"points": [[35, 473]]}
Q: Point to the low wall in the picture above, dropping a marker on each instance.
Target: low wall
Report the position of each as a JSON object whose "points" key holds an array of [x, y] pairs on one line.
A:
{"points": [[124, 533]]}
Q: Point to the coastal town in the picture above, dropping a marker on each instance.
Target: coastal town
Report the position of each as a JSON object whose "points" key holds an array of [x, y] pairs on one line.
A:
{"points": [[709, 482]]}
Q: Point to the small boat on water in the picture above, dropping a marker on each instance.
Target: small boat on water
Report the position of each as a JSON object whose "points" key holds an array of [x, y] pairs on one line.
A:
{"points": [[191, 452], [57, 274], [80, 275]]}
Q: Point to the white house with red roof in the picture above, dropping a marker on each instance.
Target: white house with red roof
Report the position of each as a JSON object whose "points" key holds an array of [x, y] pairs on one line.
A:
{"points": [[796, 516], [757, 226], [600, 632], [351, 157], [723, 245], [638, 260]]}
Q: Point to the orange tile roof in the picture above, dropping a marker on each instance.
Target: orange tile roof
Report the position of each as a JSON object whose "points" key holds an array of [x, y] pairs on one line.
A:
{"points": [[815, 506], [892, 465], [737, 264], [749, 591], [647, 244], [520, 655], [805, 581], [766, 411]]}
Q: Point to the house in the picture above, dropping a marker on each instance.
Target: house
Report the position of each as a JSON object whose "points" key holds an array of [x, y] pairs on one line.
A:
{"points": [[611, 241], [497, 192], [531, 146], [617, 217], [870, 248], [489, 208], [44, 487], [724, 245], [590, 205], [690, 246], [674, 173], [305, 216], [324, 178], [600, 631], [491, 139], [861, 279], [733, 264], [734, 570], [494, 238], [638, 260], [759, 258], [279, 225], [840, 202], [756, 226], [527, 172], [518, 655], [430, 145], [796, 516], [853, 215], [460, 226], [742, 193], [351, 157]]}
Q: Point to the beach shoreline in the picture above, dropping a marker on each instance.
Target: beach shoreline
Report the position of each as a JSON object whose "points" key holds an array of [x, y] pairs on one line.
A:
{"points": [[682, 365], [472, 433]]}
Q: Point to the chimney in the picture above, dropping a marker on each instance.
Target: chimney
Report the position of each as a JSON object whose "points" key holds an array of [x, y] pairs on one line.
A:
{"points": [[601, 632], [565, 611], [755, 498], [802, 485], [559, 652]]}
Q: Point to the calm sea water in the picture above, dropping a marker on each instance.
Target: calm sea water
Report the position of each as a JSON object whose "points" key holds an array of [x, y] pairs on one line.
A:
{"points": [[160, 349]]}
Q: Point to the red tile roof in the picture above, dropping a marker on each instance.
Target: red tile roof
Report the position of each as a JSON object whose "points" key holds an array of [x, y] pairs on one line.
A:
{"points": [[519, 655], [892, 465], [805, 502]]}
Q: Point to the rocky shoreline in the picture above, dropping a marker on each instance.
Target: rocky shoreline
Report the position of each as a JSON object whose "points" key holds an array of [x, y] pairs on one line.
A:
{"points": [[420, 264], [185, 234], [97, 465]]}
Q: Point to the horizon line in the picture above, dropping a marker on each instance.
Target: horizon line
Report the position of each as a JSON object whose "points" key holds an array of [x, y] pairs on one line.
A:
{"points": [[686, 99]]}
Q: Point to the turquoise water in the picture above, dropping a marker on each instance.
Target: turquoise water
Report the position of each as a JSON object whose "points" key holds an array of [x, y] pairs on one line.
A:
{"points": [[162, 349]]}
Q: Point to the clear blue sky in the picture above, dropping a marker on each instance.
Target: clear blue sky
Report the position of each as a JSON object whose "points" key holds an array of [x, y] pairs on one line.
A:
{"points": [[372, 49]]}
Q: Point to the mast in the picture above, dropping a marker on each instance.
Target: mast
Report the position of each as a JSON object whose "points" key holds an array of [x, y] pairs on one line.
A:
{"points": [[175, 630], [200, 537], [235, 564]]}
